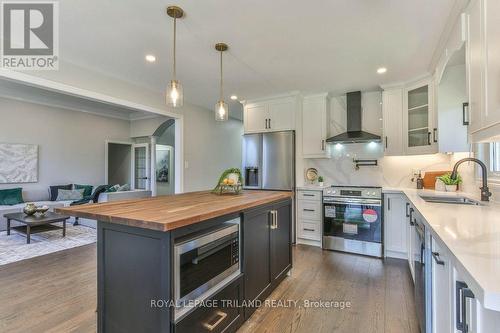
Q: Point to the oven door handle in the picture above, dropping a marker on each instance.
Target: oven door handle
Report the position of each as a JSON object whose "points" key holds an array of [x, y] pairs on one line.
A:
{"points": [[371, 202]]}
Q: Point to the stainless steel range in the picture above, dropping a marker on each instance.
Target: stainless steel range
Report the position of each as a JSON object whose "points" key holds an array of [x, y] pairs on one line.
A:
{"points": [[352, 219]]}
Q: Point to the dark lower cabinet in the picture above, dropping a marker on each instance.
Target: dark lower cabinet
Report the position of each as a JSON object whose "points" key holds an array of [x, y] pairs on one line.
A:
{"points": [[267, 253], [220, 313], [281, 240]]}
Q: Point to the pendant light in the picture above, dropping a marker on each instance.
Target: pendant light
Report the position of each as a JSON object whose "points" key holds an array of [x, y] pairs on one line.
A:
{"points": [[221, 109], [174, 94]]}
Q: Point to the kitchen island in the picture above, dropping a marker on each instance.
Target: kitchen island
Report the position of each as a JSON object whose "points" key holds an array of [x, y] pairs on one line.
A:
{"points": [[193, 262]]}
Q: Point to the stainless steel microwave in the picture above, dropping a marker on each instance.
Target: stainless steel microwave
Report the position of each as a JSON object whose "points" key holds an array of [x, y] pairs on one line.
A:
{"points": [[203, 261]]}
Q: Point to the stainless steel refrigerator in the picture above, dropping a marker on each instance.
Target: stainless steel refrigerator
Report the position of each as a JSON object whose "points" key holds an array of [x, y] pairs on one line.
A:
{"points": [[269, 163]]}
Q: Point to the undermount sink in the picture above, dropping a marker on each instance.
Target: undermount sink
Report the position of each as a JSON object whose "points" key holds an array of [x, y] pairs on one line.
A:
{"points": [[450, 200]]}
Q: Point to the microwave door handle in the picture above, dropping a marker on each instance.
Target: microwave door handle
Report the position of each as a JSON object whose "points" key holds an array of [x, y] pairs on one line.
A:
{"points": [[208, 252]]}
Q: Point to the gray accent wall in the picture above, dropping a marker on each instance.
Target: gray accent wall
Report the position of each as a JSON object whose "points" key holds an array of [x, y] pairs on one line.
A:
{"points": [[71, 143]]}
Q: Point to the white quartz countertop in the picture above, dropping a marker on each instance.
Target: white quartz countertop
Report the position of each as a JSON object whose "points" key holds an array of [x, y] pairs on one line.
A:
{"points": [[312, 187], [472, 235]]}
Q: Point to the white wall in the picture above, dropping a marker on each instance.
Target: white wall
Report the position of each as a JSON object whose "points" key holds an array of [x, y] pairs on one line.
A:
{"points": [[71, 143], [210, 147]]}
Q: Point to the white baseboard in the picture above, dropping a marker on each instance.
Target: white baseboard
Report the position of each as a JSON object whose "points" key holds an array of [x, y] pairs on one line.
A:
{"points": [[396, 254], [308, 242]]}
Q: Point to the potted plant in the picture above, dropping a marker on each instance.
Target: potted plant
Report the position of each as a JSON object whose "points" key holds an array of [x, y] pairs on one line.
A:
{"points": [[451, 184], [320, 180]]}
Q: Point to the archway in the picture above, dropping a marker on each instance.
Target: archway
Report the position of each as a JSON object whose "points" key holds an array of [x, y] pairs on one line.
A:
{"points": [[164, 150]]}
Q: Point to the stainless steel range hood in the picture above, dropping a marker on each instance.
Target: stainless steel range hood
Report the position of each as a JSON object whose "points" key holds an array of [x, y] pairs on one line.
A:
{"points": [[354, 133]]}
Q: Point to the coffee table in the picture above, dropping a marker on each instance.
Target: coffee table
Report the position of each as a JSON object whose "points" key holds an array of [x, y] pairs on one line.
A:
{"points": [[36, 223]]}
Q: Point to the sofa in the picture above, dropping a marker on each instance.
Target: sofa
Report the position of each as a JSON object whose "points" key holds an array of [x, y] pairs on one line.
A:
{"points": [[41, 198]]}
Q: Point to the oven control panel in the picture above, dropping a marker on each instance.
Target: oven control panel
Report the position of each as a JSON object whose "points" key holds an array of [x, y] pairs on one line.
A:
{"points": [[353, 192]]}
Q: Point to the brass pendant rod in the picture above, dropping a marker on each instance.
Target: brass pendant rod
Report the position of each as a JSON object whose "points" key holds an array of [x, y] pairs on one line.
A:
{"points": [[221, 82], [175, 34]]}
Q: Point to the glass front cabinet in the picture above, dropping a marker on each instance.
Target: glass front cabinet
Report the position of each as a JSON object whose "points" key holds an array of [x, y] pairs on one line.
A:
{"points": [[420, 133]]}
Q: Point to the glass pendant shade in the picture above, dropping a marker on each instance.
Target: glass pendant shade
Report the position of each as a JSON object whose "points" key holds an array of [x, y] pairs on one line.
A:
{"points": [[221, 111], [174, 95]]}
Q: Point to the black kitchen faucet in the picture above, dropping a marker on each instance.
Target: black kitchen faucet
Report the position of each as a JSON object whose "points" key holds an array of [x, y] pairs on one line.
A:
{"points": [[485, 191]]}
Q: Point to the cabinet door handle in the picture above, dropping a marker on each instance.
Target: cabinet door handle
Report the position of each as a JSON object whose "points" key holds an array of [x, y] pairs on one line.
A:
{"points": [[411, 216], [269, 123], [429, 138], [211, 327], [434, 135], [323, 145], [438, 261], [309, 210], [407, 212], [465, 114], [307, 229], [388, 203], [462, 292], [386, 142], [274, 219]]}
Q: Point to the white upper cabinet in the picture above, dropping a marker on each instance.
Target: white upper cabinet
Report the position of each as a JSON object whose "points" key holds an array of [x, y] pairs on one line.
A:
{"points": [[492, 73], [475, 55], [315, 121], [419, 132], [483, 69], [409, 120], [270, 115], [392, 110], [255, 118]]}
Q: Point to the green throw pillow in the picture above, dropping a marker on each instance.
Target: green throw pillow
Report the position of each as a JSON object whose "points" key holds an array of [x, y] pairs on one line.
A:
{"points": [[11, 196], [113, 188], [87, 189]]}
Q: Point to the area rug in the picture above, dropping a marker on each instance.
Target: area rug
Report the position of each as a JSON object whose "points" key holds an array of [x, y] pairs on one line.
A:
{"points": [[14, 248]]}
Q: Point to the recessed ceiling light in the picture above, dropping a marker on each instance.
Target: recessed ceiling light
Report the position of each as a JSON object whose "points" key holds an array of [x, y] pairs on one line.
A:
{"points": [[234, 97], [381, 70], [150, 58]]}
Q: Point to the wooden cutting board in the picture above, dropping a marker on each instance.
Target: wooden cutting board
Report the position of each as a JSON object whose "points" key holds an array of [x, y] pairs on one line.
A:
{"points": [[430, 178]]}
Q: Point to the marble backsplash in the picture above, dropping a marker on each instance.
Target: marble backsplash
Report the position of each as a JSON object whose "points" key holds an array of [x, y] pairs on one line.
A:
{"points": [[392, 171]]}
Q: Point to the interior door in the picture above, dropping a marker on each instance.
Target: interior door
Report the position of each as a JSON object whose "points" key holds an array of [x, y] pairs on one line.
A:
{"points": [[141, 169]]}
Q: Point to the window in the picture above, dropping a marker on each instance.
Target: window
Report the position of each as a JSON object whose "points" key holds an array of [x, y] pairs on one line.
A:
{"points": [[489, 153], [495, 157]]}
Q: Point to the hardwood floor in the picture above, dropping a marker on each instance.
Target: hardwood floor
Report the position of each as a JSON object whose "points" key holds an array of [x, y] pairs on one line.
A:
{"points": [[380, 292], [50, 293], [57, 293]]}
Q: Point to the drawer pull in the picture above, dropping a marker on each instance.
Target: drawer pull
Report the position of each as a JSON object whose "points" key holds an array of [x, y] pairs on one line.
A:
{"points": [[307, 229], [211, 327], [308, 195], [309, 210]]}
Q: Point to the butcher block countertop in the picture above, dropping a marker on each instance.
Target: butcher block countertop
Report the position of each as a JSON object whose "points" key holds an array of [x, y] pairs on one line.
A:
{"points": [[169, 212]]}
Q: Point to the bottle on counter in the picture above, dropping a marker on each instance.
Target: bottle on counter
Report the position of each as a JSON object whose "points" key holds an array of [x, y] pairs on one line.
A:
{"points": [[420, 181]]}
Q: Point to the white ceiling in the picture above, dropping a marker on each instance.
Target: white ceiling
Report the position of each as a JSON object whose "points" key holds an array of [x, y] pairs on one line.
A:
{"points": [[275, 46]]}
